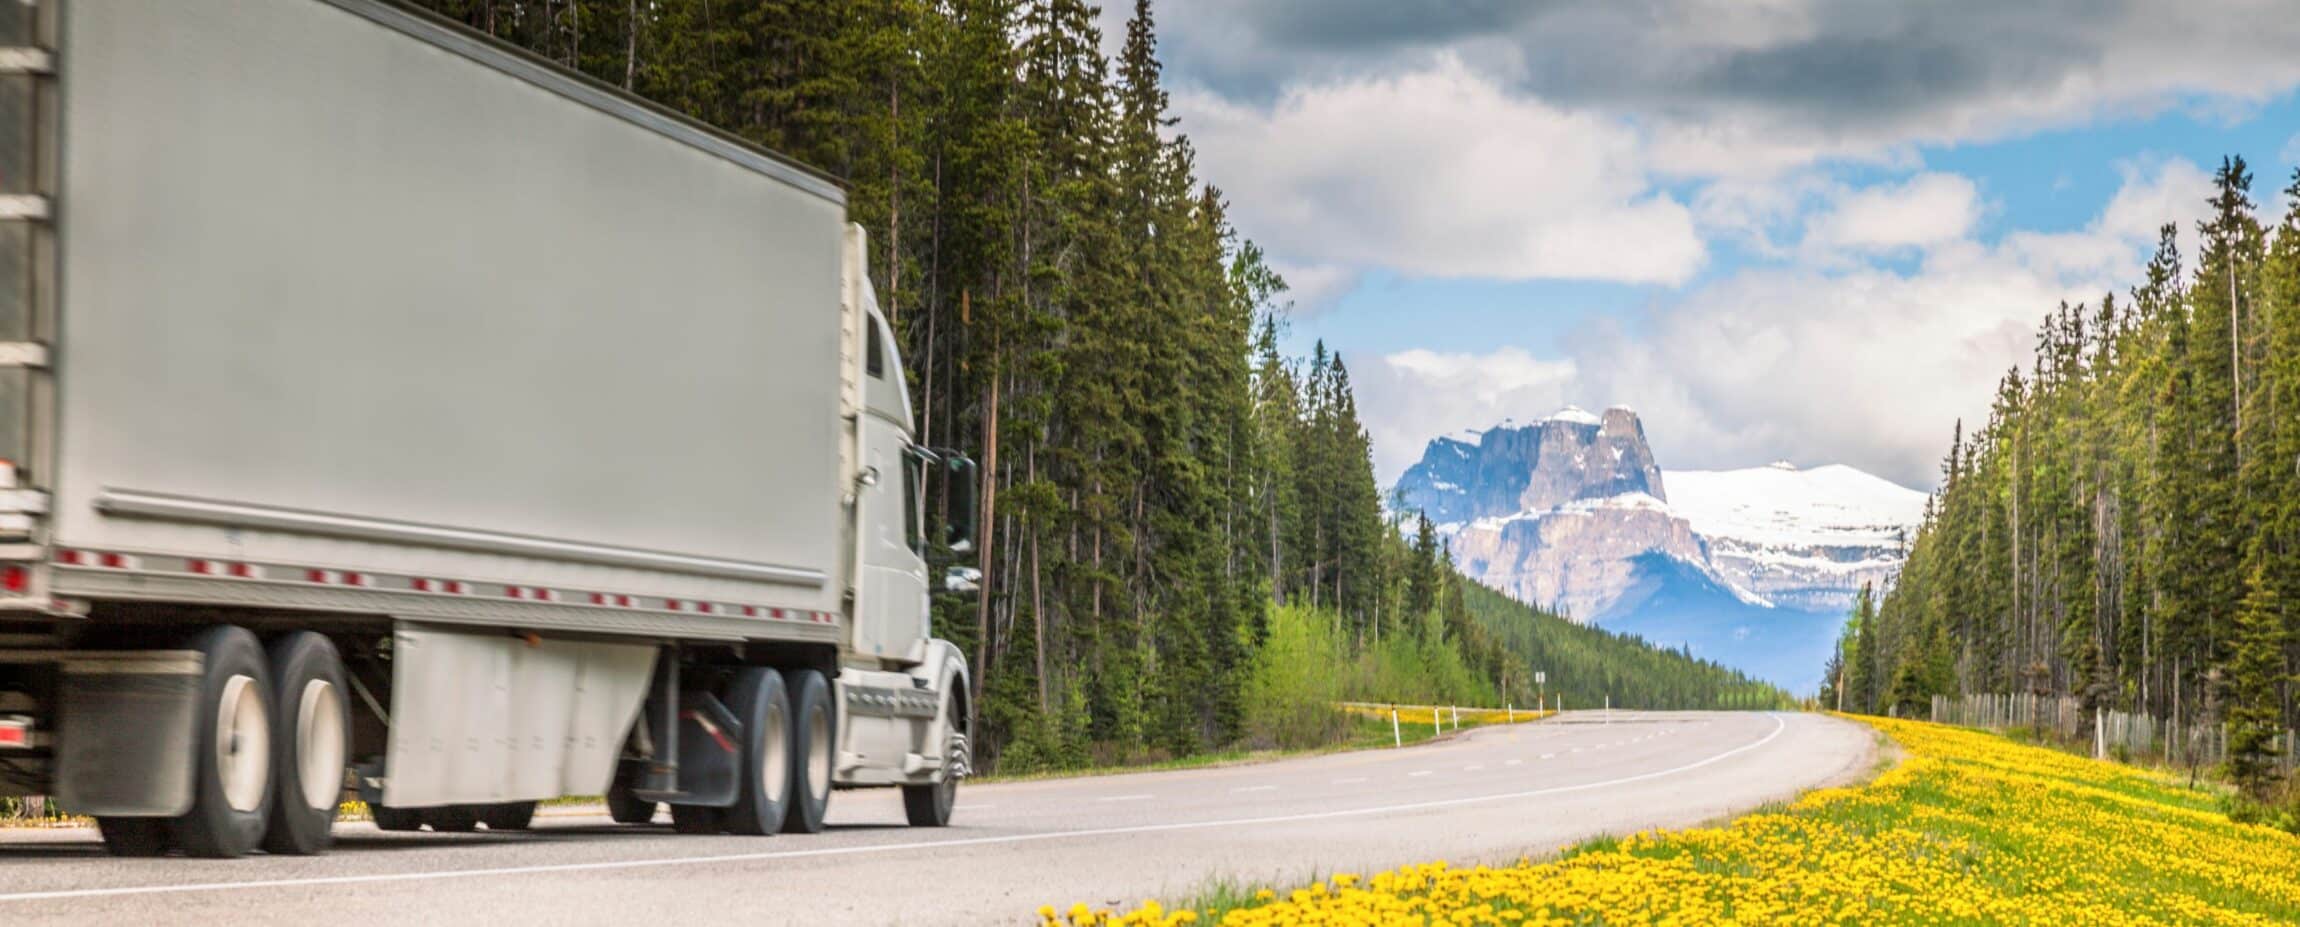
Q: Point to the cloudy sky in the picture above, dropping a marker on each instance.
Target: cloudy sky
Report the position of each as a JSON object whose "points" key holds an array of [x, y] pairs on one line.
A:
{"points": [[1794, 229]]}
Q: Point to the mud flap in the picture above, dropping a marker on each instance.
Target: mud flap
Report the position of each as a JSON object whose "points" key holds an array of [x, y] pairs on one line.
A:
{"points": [[711, 743], [129, 723]]}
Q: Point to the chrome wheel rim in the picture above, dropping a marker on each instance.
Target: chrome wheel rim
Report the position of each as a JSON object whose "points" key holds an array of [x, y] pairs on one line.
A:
{"points": [[819, 755], [243, 744], [775, 765], [320, 744]]}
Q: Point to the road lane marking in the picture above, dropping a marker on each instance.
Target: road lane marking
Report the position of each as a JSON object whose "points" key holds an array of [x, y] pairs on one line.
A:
{"points": [[1511, 762], [1473, 767], [1352, 779], [1549, 756], [1779, 726], [1124, 797], [1256, 788], [1418, 772]]}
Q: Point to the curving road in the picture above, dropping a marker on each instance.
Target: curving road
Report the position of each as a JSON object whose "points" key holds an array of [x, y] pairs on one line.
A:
{"points": [[1491, 794]]}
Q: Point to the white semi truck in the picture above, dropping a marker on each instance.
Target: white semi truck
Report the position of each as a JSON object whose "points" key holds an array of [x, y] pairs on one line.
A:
{"points": [[389, 413]]}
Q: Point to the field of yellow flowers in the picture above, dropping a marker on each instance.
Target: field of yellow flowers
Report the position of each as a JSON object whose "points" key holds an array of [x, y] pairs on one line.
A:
{"points": [[1428, 715], [1968, 829]]}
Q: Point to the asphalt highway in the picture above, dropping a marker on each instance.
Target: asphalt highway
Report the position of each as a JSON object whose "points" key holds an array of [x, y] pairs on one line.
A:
{"points": [[1487, 795]]}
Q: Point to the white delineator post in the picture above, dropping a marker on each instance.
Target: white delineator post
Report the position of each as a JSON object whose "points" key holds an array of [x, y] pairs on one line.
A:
{"points": [[1512, 709], [1456, 716], [1399, 738], [1609, 708]]}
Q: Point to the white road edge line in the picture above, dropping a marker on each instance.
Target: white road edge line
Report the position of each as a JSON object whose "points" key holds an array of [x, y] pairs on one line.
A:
{"points": [[1105, 798], [1350, 780], [1256, 788], [1778, 727], [1418, 772]]}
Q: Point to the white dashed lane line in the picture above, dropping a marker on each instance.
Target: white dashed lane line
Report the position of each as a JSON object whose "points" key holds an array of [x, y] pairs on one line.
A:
{"points": [[1125, 798], [1418, 772], [1256, 788]]}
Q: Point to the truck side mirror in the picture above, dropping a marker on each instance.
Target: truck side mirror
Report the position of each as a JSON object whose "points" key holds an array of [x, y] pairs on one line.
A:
{"points": [[960, 511]]}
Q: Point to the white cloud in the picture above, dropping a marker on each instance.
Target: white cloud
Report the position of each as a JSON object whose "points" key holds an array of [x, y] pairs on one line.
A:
{"points": [[1314, 288], [1860, 365], [1440, 173], [1408, 397], [1729, 88], [1929, 209]]}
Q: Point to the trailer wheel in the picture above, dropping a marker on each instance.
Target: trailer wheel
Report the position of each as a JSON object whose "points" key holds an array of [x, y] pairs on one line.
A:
{"points": [[696, 819], [452, 819], [930, 805], [232, 788], [626, 808], [134, 836], [309, 753], [396, 819], [762, 802], [811, 749], [516, 815]]}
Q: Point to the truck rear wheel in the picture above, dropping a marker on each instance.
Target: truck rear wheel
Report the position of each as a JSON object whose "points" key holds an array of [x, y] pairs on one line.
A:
{"points": [[515, 815], [232, 783], [398, 819], [811, 749], [452, 819], [309, 750], [626, 808], [761, 805], [134, 836], [697, 819]]}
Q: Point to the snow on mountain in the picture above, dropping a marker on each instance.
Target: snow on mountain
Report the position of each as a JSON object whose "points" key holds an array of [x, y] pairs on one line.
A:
{"points": [[1807, 538], [1780, 504], [1755, 567]]}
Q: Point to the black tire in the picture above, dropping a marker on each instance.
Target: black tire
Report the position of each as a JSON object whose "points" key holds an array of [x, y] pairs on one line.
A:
{"points": [[134, 836], [452, 819], [396, 819], [930, 805], [627, 808], [697, 819], [514, 815], [762, 798], [231, 788], [311, 730], [812, 747]]}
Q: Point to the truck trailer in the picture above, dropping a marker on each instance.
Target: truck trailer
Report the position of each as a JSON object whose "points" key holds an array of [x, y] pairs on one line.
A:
{"points": [[388, 413]]}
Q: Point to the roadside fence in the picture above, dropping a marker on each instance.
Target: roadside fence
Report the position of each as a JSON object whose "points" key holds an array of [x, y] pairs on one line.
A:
{"points": [[2121, 733]]}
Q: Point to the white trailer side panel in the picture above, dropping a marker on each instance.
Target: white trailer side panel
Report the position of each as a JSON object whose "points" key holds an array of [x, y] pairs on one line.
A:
{"points": [[313, 263]]}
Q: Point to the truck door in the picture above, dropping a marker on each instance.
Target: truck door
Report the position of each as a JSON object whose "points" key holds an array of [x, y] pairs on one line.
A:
{"points": [[890, 620]]}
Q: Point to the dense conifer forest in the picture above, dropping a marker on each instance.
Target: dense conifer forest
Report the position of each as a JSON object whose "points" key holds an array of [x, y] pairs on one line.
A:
{"points": [[2124, 529], [1161, 483]]}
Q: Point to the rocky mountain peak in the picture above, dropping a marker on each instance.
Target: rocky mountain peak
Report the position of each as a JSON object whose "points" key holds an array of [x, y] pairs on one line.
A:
{"points": [[1566, 457]]}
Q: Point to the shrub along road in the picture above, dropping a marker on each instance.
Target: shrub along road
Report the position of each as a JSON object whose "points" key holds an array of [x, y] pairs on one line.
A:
{"points": [[1488, 794]]}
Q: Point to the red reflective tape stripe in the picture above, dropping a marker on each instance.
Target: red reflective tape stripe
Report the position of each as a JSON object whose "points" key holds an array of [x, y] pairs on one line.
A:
{"points": [[202, 567], [243, 571]]}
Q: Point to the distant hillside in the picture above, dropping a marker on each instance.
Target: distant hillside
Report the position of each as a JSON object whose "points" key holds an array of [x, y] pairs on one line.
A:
{"points": [[1586, 664]]}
